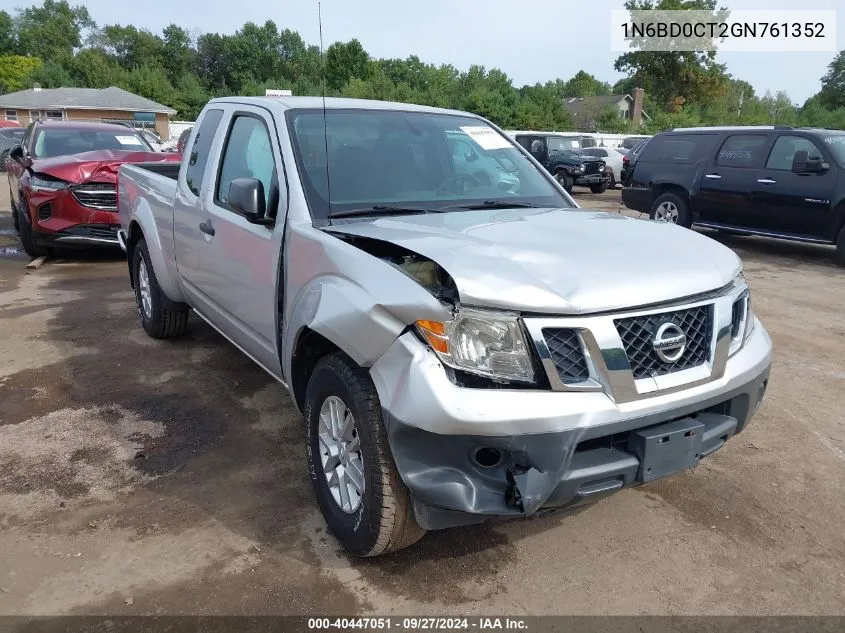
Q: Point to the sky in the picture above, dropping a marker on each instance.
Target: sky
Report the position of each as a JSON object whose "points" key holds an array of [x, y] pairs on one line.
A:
{"points": [[531, 40]]}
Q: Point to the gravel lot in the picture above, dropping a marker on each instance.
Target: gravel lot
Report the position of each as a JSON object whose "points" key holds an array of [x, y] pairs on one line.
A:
{"points": [[145, 477]]}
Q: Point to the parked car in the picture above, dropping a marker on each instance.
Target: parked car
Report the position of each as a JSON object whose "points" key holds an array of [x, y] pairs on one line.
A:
{"points": [[62, 182], [459, 352], [612, 158], [183, 140], [9, 124], [774, 181], [629, 159], [9, 137], [563, 157], [630, 142], [153, 139]]}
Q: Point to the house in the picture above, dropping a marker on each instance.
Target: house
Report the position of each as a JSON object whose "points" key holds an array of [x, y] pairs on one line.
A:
{"points": [[585, 110], [106, 104]]}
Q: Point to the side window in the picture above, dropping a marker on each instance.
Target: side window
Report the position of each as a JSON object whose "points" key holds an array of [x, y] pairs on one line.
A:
{"points": [[677, 148], [248, 154], [525, 141], [784, 150], [742, 150], [27, 137], [198, 156]]}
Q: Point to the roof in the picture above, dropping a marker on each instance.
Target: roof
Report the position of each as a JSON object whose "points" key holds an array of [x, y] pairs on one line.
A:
{"points": [[112, 98], [593, 106], [84, 125], [335, 103]]}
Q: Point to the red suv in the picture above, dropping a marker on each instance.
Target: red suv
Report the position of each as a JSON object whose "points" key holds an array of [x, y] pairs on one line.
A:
{"points": [[62, 181]]}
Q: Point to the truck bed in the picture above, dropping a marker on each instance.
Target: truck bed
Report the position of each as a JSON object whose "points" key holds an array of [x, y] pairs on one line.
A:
{"points": [[170, 170]]}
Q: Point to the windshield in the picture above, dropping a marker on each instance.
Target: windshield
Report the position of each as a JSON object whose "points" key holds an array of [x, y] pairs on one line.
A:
{"points": [[563, 143], [836, 144], [388, 158], [12, 134], [51, 142]]}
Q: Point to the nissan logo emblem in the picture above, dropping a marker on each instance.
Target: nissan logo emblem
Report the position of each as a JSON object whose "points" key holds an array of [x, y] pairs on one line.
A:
{"points": [[669, 342]]}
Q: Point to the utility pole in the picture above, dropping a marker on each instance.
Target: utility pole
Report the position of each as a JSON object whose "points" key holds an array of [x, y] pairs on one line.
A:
{"points": [[741, 99]]}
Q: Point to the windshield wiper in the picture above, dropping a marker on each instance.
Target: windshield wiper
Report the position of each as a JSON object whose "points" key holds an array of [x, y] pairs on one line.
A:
{"points": [[494, 204], [379, 209]]}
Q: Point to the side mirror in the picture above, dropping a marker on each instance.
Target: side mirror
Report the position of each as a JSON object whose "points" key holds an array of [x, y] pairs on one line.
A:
{"points": [[802, 163], [246, 196], [470, 157], [17, 154]]}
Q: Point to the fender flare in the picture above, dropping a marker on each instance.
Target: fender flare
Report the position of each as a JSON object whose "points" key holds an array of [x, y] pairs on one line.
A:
{"points": [[142, 224]]}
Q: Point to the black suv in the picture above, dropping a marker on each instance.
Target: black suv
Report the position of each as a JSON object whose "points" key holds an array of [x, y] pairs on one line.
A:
{"points": [[561, 155], [775, 181]]}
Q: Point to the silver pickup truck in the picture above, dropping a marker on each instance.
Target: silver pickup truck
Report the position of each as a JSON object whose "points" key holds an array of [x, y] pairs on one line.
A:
{"points": [[463, 342]]}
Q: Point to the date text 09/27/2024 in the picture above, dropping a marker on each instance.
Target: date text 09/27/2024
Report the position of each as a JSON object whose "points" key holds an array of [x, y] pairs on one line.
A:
{"points": [[418, 624]]}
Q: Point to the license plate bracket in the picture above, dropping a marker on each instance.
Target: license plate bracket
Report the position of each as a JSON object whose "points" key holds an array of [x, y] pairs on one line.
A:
{"points": [[667, 449]]}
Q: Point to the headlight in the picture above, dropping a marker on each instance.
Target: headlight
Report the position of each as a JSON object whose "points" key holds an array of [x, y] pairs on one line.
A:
{"points": [[583, 167], [43, 183], [742, 318], [485, 343]]}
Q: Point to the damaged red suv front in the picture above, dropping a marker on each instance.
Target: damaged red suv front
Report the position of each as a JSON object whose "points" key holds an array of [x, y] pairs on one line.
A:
{"points": [[70, 199]]}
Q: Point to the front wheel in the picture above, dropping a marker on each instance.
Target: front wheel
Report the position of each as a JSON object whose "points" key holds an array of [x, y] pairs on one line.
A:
{"points": [[671, 208], [565, 181], [160, 317], [32, 248], [840, 247], [359, 491], [599, 188]]}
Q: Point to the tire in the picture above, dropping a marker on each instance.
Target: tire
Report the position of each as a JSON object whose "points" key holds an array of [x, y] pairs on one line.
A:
{"points": [[27, 238], [672, 208], [600, 188], [378, 519], [840, 247], [565, 181], [160, 317], [15, 218]]}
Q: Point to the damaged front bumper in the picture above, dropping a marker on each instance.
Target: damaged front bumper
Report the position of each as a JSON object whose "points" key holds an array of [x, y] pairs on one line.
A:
{"points": [[470, 455]]}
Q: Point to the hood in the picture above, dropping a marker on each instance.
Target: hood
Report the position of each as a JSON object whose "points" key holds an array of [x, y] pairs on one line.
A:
{"points": [[96, 166], [562, 261]]}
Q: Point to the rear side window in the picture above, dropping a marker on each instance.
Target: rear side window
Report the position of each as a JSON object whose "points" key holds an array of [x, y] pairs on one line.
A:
{"points": [[678, 148], [785, 148], [742, 150], [198, 156]]}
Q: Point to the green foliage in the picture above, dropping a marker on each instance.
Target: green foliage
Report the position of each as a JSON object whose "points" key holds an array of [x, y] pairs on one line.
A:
{"points": [[181, 71], [832, 94], [14, 69], [52, 31]]}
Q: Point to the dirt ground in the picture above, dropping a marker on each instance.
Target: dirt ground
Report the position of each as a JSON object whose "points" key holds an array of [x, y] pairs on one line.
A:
{"points": [[146, 477]]}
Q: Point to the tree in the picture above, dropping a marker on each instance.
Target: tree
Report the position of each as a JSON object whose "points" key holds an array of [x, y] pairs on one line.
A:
{"points": [[611, 122], [584, 84], [832, 94], [50, 75], [14, 69], [52, 31], [7, 35], [673, 77], [345, 61], [176, 52]]}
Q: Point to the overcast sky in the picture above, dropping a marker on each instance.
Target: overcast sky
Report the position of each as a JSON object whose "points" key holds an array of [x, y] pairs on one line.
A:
{"points": [[531, 40]]}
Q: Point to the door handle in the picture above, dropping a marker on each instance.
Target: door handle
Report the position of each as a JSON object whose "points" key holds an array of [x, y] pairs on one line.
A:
{"points": [[713, 176], [207, 228], [766, 181]]}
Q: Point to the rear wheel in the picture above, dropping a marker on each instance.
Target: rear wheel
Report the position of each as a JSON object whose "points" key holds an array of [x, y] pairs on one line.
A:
{"points": [[359, 491], [671, 208], [840, 247], [160, 317]]}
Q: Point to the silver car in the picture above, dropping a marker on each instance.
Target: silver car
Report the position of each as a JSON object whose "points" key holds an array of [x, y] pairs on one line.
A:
{"points": [[460, 350]]}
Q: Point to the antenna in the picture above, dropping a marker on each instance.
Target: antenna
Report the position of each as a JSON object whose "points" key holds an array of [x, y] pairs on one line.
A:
{"points": [[325, 121]]}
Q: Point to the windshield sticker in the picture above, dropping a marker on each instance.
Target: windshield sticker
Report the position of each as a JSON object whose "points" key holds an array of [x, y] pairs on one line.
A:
{"points": [[128, 140], [487, 138]]}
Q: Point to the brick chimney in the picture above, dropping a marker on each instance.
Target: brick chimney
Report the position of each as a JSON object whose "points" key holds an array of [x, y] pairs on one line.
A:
{"points": [[637, 112]]}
